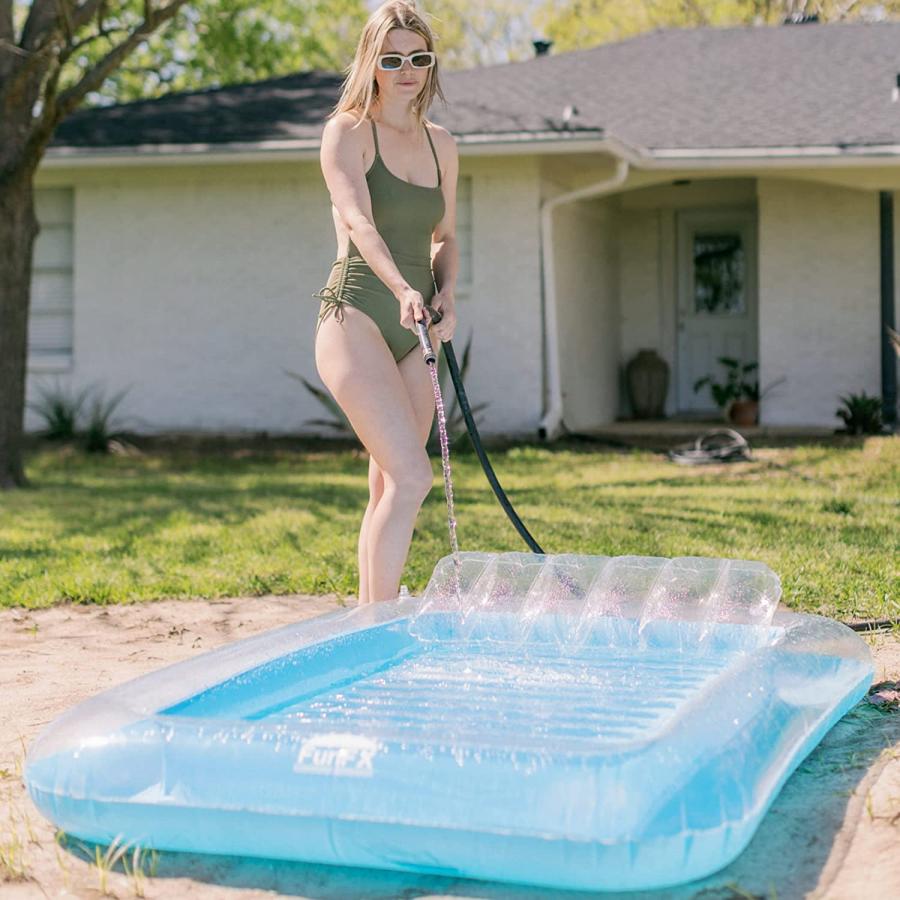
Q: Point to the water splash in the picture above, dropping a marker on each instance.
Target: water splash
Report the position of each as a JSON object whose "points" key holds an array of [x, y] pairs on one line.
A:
{"points": [[445, 462]]}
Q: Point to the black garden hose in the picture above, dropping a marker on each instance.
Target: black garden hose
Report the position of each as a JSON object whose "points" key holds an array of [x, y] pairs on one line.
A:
{"points": [[476, 440]]}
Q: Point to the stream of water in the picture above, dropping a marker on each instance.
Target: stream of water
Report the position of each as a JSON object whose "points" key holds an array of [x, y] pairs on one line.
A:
{"points": [[445, 461]]}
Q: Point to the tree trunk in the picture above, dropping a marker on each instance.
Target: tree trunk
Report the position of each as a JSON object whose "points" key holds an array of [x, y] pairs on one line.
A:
{"points": [[31, 107], [18, 230]]}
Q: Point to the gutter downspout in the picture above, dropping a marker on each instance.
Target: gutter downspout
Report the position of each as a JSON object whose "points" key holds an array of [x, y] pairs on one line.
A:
{"points": [[551, 421], [888, 356]]}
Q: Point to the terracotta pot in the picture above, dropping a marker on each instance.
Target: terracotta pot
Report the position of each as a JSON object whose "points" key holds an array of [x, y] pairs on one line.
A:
{"points": [[744, 412]]}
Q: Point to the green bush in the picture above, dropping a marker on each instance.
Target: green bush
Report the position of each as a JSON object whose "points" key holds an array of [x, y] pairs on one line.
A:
{"points": [[60, 408], [83, 415], [100, 432], [861, 414]]}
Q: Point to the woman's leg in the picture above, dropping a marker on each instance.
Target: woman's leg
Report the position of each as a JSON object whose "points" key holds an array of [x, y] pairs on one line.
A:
{"points": [[376, 491], [417, 379], [359, 370], [418, 385]]}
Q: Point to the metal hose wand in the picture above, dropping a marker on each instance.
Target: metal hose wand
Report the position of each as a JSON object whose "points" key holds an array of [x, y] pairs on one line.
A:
{"points": [[424, 340]]}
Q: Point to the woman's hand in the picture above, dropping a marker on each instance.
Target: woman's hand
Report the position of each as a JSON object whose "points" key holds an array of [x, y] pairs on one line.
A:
{"points": [[412, 308], [445, 303]]}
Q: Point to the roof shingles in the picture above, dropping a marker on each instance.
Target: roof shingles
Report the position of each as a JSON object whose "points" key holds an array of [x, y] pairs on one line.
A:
{"points": [[749, 86]]}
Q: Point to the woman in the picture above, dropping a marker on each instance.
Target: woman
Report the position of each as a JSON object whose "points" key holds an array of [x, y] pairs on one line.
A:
{"points": [[392, 179]]}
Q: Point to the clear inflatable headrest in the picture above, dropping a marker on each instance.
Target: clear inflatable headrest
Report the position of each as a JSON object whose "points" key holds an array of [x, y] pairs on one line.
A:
{"points": [[501, 597]]}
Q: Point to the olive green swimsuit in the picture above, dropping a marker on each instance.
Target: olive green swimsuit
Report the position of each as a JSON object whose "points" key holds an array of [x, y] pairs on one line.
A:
{"points": [[405, 215]]}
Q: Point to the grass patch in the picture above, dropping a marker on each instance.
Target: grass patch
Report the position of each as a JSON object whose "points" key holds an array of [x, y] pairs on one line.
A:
{"points": [[272, 517]]}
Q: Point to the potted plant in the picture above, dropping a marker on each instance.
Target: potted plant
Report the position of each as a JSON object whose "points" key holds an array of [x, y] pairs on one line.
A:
{"points": [[737, 397], [744, 410]]}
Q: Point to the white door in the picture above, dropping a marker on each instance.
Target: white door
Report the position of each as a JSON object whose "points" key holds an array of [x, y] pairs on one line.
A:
{"points": [[717, 299]]}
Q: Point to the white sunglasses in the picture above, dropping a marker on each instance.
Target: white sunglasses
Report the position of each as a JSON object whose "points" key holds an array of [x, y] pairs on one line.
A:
{"points": [[421, 59]]}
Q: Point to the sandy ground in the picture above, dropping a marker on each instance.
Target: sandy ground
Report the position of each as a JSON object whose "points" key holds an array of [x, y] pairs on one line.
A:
{"points": [[832, 833]]}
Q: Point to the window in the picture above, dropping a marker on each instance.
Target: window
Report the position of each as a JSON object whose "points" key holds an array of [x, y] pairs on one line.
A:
{"points": [[464, 231], [50, 323], [719, 274]]}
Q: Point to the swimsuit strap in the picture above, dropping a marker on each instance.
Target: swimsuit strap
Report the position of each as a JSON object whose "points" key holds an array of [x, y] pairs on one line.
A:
{"points": [[375, 135], [434, 154], [430, 142]]}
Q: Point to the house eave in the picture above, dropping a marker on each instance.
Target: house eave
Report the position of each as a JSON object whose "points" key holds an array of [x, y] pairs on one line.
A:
{"points": [[493, 144], [552, 142], [776, 157]]}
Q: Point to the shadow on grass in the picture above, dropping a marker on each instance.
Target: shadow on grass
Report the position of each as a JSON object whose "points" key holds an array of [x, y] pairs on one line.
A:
{"points": [[141, 505], [263, 445]]}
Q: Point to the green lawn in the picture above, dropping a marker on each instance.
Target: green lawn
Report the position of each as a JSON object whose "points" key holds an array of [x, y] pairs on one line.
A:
{"points": [[276, 518]]}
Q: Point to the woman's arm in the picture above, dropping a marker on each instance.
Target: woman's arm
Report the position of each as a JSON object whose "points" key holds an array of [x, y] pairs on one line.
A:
{"points": [[342, 165], [445, 259]]}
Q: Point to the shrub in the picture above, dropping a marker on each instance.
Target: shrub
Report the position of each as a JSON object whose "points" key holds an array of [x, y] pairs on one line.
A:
{"points": [[99, 432], [734, 386], [861, 414], [60, 408], [78, 415]]}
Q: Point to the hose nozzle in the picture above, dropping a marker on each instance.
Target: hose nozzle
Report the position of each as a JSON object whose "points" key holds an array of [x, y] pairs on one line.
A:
{"points": [[424, 341]]}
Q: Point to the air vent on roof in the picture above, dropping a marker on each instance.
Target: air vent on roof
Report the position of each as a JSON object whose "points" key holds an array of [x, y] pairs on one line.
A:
{"points": [[541, 46], [800, 19]]}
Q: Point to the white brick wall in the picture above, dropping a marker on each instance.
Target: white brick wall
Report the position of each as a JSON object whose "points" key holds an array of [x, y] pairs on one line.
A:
{"points": [[586, 265], [192, 285], [819, 301], [640, 287]]}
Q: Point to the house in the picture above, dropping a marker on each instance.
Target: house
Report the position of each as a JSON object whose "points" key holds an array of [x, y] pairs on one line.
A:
{"points": [[698, 191]]}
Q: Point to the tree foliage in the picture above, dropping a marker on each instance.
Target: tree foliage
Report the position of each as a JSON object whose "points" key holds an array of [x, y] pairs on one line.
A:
{"points": [[576, 24], [210, 43], [470, 33]]}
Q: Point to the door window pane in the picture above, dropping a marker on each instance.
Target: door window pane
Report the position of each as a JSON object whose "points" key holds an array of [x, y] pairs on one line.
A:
{"points": [[718, 274]]}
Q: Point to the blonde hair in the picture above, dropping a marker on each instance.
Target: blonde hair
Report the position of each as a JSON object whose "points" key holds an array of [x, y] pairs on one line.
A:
{"points": [[360, 88]]}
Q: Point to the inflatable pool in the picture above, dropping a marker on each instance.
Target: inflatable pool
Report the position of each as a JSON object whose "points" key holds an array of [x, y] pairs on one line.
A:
{"points": [[569, 721]]}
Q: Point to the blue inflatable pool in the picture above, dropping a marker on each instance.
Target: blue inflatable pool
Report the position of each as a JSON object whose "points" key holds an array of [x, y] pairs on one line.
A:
{"points": [[570, 721]]}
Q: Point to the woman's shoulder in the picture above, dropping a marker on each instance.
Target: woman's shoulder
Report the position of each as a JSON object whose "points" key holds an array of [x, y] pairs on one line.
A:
{"points": [[440, 134], [346, 122]]}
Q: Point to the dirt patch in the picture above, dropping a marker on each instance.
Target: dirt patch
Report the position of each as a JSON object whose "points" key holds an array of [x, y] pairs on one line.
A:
{"points": [[831, 833]]}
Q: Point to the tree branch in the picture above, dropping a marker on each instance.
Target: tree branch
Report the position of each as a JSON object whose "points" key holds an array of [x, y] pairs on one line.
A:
{"points": [[6, 22], [40, 40], [94, 78], [72, 49], [85, 12], [10, 47], [42, 20], [65, 18], [42, 34], [35, 62]]}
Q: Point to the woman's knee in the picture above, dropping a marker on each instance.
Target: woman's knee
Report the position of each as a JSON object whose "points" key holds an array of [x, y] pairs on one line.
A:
{"points": [[376, 482], [412, 481]]}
